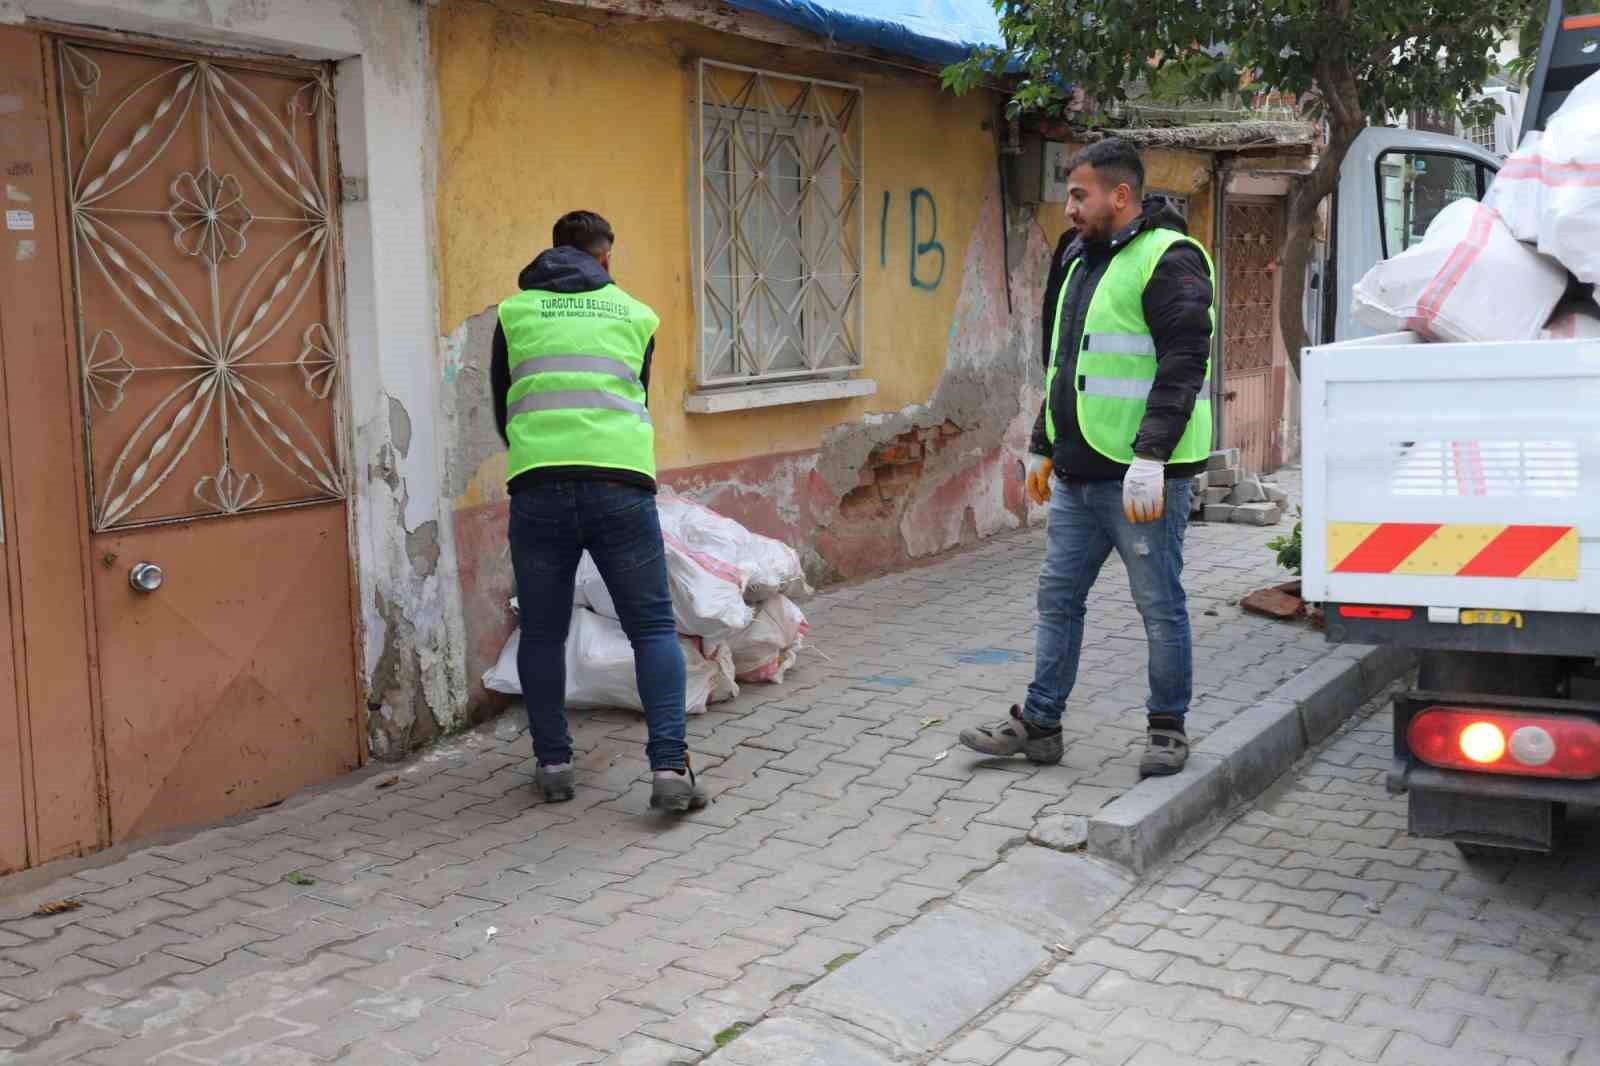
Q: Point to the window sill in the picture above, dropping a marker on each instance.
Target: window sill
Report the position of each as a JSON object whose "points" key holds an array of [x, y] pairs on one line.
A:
{"points": [[752, 397]]}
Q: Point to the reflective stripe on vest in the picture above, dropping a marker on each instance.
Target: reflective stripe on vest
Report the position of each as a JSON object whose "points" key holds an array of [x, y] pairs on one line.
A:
{"points": [[577, 400], [1116, 364], [574, 364], [576, 397]]}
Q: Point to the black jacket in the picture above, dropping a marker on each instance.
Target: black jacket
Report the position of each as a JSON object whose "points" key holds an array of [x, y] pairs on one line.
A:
{"points": [[1177, 307], [563, 270]]}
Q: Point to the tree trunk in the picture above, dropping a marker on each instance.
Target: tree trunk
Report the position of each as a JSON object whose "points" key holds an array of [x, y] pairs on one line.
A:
{"points": [[1339, 91]]}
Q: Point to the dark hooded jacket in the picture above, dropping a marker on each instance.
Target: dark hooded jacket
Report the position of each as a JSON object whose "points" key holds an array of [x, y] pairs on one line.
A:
{"points": [[1177, 308], [566, 271]]}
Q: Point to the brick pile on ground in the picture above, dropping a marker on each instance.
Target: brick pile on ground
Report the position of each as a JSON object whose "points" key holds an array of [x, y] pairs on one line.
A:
{"points": [[1226, 493]]}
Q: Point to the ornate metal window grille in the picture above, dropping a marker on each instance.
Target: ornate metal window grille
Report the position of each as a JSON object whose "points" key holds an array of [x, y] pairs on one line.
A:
{"points": [[204, 233], [781, 222]]}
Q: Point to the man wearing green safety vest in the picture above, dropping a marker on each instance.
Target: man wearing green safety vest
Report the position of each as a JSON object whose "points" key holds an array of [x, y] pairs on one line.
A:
{"points": [[570, 371], [1125, 426]]}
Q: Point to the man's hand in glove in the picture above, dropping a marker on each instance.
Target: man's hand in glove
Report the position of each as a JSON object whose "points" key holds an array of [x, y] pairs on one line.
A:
{"points": [[1040, 470], [1144, 491]]}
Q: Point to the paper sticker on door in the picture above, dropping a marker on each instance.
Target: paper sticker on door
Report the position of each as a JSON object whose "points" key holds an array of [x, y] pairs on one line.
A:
{"points": [[19, 220]]}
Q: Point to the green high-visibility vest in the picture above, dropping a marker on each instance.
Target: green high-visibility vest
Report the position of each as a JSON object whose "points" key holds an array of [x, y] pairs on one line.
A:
{"points": [[576, 397], [1117, 359]]}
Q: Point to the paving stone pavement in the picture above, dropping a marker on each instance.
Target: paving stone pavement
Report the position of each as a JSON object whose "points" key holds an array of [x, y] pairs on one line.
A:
{"points": [[438, 912], [1313, 931]]}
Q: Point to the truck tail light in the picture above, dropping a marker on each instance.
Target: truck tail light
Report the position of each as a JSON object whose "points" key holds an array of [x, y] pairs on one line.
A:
{"points": [[1375, 614], [1507, 742]]}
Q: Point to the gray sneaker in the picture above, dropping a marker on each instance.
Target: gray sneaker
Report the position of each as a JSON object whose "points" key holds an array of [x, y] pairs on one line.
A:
{"points": [[559, 784], [677, 792], [1165, 752], [1013, 736]]}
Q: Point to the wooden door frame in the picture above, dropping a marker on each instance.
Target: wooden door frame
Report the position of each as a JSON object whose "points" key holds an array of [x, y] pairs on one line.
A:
{"points": [[41, 522]]}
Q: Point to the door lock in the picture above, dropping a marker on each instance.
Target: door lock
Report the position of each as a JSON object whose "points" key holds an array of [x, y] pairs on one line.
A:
{"points": [[146, 577]]}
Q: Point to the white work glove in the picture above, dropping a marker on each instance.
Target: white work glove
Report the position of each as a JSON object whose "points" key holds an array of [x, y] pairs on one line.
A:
{"points": [[1040, 471], [1144, 491]]}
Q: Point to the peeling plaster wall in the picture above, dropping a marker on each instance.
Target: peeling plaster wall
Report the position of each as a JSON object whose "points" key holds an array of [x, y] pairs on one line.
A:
{"points": [[404, 550], [932, 462]]}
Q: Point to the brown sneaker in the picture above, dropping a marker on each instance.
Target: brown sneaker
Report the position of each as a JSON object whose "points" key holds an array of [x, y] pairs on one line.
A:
{"points": [[1165, 752], [1014, 736]]}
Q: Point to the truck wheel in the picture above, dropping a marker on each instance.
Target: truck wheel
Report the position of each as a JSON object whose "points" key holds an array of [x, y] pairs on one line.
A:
{"points": [[1491, 674]]}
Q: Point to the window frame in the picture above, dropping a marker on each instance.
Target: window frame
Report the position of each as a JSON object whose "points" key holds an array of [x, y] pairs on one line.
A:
{"points": [[1482, 172], [849, 245]]}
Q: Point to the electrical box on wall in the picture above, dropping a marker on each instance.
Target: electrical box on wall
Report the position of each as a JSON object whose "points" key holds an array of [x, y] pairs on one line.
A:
{"points": [[1054, 171], [1037, 174]]}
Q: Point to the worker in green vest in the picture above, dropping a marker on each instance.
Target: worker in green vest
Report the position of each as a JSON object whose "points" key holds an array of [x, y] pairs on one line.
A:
{"points": [[1125, 426], [569, 373]]}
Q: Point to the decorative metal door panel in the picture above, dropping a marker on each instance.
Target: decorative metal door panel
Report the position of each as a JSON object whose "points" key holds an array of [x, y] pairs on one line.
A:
{"points": [[1253, 395], [203, 222]]}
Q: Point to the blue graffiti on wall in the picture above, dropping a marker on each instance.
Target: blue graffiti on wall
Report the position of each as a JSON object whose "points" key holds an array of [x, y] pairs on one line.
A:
{"points": [[927, 262], [921, 249]]}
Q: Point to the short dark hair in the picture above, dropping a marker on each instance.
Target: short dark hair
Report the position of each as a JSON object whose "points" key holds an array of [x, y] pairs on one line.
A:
{"points": [[1113, 158], [584, 230]]}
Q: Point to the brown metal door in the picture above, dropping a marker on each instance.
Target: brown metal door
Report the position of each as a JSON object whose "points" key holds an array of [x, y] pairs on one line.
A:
{"points": [[1253, 392], [203, 276]]}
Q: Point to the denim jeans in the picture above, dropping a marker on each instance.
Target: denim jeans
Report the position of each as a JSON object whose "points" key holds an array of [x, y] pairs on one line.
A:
{"points": [[1085, 524], [552, 524]]}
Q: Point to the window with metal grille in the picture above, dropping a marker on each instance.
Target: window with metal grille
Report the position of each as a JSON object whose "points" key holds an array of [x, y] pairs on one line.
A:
{"points": [[781, 222], [1482, 136]]}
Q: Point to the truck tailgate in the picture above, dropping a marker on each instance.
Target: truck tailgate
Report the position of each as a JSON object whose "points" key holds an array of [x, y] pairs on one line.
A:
{"points": [[1453, 475]]}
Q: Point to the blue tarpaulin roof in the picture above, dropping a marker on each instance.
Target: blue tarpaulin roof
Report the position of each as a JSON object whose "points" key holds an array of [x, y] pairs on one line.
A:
{"points": [[935, 31]]}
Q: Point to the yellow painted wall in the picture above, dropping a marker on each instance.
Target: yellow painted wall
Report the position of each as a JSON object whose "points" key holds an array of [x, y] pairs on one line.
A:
{"points": [[1179, 173], [543, 114]]}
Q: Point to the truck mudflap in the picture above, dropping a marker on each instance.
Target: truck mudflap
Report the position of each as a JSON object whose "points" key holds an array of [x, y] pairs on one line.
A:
{"points": [[1464, 629], [1495, 810]]}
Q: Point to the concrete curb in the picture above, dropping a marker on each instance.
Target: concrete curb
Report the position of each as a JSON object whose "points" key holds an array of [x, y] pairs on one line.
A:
{"points": [[1241, 760], [913, 992]]}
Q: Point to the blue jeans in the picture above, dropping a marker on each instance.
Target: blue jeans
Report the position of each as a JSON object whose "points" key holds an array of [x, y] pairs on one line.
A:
{"points": [[1086, 523], [552, 524]]}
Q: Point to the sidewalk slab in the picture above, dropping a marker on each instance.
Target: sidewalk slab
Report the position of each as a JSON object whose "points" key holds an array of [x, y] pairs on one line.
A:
{"points": [[797, 1042], [1054, 897], [923, 984]]}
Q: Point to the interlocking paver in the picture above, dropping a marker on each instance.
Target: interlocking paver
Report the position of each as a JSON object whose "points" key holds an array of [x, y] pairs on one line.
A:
{"points": [[1508, 983], [840, 817]]}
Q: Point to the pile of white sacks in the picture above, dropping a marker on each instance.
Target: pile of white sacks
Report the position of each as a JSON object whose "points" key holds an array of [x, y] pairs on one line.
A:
{"points": [[733, 594], [1515, 267]]}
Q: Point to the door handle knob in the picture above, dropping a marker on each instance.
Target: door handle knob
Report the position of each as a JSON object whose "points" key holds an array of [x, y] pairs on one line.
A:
{"points": [[146, 577]]}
